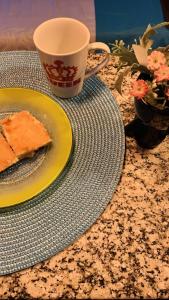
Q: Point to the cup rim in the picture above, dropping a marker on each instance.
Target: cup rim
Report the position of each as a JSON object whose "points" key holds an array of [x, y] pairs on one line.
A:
{"points": [[58, 54]]}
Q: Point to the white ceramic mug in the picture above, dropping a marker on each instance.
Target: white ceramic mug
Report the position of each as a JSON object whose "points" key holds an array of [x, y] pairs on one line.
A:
{"points": [[63, 46]]}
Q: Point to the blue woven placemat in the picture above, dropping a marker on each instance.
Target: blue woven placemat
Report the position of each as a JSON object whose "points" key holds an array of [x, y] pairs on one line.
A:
{"points": [[45, 225]]}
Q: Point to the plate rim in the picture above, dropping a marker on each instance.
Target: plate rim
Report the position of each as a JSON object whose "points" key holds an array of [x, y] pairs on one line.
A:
{"points": [[54, 177]]}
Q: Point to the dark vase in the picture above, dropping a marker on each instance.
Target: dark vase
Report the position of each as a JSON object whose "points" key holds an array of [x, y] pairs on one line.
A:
{"points": [[151, 125], [154, 124], [152, 116]]}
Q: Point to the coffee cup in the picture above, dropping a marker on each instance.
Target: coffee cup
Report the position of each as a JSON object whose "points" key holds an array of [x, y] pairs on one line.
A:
{"points": [[63, 45]]}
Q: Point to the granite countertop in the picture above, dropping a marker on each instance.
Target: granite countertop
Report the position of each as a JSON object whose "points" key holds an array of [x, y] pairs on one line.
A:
{"points": [[125, 253]]}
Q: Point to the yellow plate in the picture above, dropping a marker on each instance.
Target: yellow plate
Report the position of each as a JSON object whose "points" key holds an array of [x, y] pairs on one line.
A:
{"points": [[31, 176]]}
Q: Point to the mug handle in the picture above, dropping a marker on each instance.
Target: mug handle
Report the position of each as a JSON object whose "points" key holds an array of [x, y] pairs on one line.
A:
{"points": [[98, 46]]}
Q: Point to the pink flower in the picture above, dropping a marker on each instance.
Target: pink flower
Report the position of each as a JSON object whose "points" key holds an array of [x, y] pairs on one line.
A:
{"points": [[155, 60], [162, 73], [139, 89]]}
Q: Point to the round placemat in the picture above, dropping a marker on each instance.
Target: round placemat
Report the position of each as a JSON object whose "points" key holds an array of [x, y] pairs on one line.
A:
{"points": [[46, 224]]}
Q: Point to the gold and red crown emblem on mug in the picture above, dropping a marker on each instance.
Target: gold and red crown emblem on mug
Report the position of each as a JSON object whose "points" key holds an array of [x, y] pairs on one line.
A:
{"points": [[60, 75]]}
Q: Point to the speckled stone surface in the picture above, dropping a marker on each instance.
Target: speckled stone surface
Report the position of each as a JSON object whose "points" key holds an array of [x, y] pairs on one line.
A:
{"points": [[125, 254]]}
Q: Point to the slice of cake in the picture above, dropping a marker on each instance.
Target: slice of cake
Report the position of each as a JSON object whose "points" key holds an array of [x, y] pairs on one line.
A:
{"points": [[7, 156], [24, 133]]}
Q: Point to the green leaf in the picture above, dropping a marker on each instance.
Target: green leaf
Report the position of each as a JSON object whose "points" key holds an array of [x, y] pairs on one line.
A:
{"points": [[144, 40], [119, 81], [150, 30], [126, 55], [138, 68]]}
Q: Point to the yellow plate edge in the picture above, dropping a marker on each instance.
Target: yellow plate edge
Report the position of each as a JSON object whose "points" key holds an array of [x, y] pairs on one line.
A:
{"points": [[53, 173]]}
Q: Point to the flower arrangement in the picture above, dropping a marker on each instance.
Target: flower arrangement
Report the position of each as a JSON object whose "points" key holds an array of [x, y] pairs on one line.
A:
{"points": [[151, 65]]}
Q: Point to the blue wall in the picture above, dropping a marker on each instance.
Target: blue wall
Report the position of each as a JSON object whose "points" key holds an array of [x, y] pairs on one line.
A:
{"points": [[127, 20]]}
